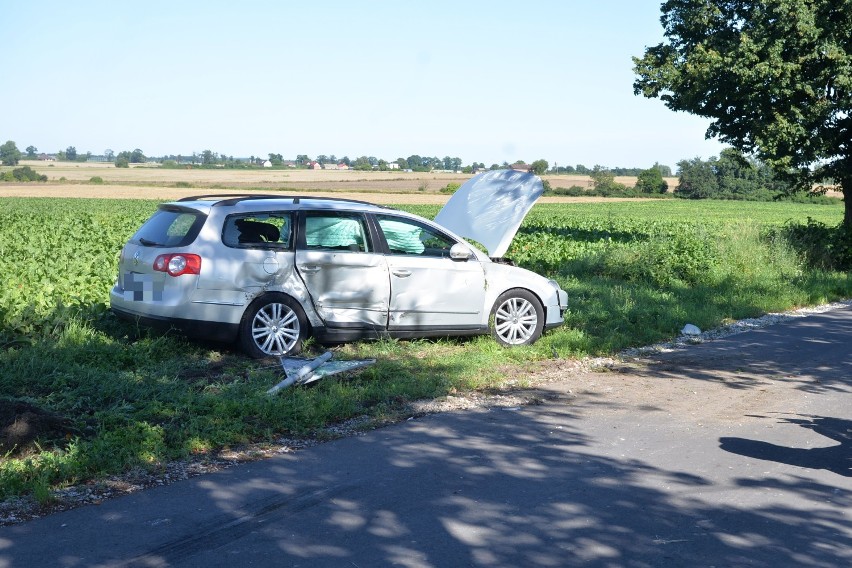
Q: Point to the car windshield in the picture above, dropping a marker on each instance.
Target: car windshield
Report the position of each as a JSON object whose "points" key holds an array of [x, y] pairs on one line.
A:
{"points": [[170, 227]]}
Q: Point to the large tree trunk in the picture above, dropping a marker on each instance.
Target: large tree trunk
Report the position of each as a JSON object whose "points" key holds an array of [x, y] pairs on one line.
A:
{"points": [[846, 188]]}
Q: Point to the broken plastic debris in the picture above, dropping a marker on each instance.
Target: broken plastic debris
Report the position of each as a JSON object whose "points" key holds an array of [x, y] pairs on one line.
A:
{"points": [[690, 329], [298, 370]]}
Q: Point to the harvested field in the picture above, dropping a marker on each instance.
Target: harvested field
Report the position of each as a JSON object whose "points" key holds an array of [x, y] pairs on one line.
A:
{"points": [[169, 193], [148, 182], [279, 179]]}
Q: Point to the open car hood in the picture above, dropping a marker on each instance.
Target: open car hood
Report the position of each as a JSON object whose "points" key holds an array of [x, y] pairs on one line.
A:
{"points": [[490, 207]]}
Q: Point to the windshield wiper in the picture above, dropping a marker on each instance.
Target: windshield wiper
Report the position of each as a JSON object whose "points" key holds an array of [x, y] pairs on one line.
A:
{"points": [[147, 243]]}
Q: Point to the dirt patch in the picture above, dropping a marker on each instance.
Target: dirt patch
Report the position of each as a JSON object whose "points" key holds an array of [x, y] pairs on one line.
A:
{"points": [[23, 424], [653, 386]]}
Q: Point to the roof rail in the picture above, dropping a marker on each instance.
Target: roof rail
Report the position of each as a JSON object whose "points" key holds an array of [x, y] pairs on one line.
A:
{"points": [[228, 199]]}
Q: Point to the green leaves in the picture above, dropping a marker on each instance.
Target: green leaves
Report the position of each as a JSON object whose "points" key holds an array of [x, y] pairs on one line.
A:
{"points": [[774, 76], [59, 260]]}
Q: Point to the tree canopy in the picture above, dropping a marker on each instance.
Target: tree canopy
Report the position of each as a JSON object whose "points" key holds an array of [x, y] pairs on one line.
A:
{"points": [[651, 181], [9, 154], [774, 76]]}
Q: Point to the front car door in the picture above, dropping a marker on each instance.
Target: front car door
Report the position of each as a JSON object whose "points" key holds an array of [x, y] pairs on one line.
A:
{"points": [[429, 291]]}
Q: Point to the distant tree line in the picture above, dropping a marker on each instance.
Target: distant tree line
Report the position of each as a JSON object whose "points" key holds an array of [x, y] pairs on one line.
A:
{"points": [[580, 169], [414, 162], [730, 176]]}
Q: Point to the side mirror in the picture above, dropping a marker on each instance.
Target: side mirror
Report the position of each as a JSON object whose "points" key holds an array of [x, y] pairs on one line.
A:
{"points": [[460, 252]]}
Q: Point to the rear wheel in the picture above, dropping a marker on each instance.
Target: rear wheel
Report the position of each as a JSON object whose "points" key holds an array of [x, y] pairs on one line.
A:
{"points": [[517, 318], [274, 325]]}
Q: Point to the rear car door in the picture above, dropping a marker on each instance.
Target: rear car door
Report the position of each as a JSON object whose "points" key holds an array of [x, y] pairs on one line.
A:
{"points": [[345, 277], [258, 254], [429, 291]]}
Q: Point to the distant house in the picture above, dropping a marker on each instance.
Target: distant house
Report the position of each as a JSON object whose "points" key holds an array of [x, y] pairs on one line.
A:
{"points": [[314, 166], [47, 157], [393, 166], [267, 164], [342, 166], [330, 167], [521, 167]]}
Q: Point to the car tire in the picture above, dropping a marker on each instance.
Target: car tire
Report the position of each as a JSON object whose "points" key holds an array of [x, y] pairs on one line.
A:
{"points": [[517, 318], [274, 326]]}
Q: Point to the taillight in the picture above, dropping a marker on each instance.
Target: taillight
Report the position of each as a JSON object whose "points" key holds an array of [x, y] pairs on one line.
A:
{"points": [[178, 264]]}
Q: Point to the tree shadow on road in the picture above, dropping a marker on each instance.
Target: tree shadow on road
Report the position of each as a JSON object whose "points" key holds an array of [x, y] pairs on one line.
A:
{"points": [[836, 458], [501, 487]]}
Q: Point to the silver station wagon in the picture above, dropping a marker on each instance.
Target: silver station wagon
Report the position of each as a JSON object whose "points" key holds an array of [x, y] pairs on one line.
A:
{"points": [[269, 271]]}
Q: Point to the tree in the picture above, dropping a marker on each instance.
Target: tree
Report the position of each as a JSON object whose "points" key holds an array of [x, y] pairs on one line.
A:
{"points": [[9, 154], [71, 153], [31, 152], [651, 181], [697, 178], [774, 77], [415, 162], [125, 158], [363, 163], [137, 157], [539, 167], [208, 157], [602, 177], [109, 154], [665, 171]]}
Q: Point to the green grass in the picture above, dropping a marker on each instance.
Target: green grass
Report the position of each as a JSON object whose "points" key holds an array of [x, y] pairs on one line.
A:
{"points": [[635, 272]]}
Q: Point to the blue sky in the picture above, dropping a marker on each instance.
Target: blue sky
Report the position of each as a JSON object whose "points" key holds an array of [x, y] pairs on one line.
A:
{"points": [[483, 81]]}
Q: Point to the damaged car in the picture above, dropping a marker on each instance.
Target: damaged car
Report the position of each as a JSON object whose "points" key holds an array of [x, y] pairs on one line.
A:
{"points": [[268, 271]]}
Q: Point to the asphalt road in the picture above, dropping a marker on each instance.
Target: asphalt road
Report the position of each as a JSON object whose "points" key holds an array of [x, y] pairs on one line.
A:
{"points": [[762, 478]]}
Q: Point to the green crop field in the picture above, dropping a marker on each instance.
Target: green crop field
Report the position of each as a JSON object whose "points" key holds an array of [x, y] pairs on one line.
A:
{"points": [[116, 397]]}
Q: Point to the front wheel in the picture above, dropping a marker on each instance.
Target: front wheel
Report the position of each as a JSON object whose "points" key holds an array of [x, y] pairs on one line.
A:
{"points": [[274, 325], [517, 318]]}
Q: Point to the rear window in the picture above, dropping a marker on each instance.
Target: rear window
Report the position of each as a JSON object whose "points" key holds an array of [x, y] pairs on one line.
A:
{"points": [[170, 227], [258, 230]]}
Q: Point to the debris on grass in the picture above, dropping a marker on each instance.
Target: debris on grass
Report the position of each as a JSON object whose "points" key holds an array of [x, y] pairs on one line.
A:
{"points": [[301, 371]]}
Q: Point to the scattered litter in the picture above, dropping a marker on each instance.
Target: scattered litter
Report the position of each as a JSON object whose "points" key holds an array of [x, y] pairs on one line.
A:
{"points": [[302, 371]]}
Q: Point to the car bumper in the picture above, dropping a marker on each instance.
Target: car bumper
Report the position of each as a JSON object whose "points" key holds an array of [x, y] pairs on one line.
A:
{"points": [[212, 330]]}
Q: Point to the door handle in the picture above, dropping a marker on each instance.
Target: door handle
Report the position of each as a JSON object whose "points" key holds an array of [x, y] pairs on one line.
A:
{"points": [[309, 268], [401, 272]]}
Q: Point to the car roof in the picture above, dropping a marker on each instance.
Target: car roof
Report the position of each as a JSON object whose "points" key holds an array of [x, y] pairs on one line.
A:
{"points": [[260, 202]]}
